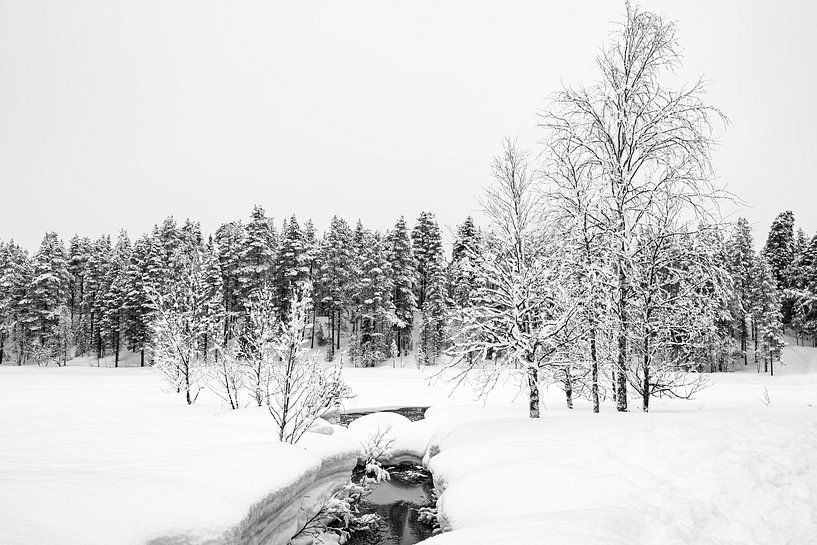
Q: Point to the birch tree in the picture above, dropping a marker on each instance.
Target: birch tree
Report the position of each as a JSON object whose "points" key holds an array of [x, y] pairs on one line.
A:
{"points": [[515, 318], [637, 138]]}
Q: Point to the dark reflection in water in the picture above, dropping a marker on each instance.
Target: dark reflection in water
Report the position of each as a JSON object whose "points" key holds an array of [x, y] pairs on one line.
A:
{"points": [[412, 413], [397, 502]]}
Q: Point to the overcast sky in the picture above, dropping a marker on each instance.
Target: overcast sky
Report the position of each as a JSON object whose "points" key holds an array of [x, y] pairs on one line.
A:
{"points": [[115, 114]]}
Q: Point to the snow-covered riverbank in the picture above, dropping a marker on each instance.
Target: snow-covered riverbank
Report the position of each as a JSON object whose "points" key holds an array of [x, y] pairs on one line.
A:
{"points": [[96, 455], [103, 456]]}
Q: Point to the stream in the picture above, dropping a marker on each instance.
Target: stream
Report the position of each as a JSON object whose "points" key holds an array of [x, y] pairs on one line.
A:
{"points": [[397, 500]]}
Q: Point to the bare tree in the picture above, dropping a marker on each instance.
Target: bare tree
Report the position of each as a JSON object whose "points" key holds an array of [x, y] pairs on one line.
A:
{"points": [[257, 338], [517, 314], [636, 138], [299, 389], [182, 320]]}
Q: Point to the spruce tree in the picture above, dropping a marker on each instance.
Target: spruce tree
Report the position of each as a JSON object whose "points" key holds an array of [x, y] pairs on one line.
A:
{"points": [[462, 271], [779, 249], [435, 311], [114, 300], [427, 242], [767, 315], [401, 260], [258, 254], [137, 303], [229, 244], [804, 288], [373, 338], [335, 276], [96, 288], [292, 263], [49, 288], [741, 264]]}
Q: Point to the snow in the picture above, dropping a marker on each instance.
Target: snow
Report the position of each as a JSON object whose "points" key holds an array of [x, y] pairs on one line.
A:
{"points": [[104, 456], [725, 468], [100, 455]]}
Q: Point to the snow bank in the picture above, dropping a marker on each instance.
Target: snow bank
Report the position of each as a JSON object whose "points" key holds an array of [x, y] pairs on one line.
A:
{"points": [[103, 456], [686, 477]]}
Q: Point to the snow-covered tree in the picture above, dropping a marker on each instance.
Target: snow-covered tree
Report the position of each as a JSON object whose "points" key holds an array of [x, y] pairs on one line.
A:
{"points": [[257, 335], [433, 329], [15, 279], [299, 389], [229, 242], [766, 310], [375, 314], [779, 249], [182, 320], [741, 256], [335, 276], [49, 288], [637, 139], [518, 310], [258, 253], [428, 249], [292, 264], [401, 261], [464, 255]]}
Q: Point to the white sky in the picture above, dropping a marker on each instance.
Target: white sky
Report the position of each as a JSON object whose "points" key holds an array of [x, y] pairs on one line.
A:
{"points": [[115, 114]]}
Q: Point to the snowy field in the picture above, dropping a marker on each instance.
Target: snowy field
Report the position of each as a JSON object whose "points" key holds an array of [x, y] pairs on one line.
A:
{"points": [[99, 455]]}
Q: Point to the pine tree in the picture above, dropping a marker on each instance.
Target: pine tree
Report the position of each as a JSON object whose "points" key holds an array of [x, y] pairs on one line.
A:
{"points": [[741, 264], [428, 247], [229, 243], [462, 272], [78, 251], [15, 279], [435, 311], [375, 289], [292, 263], [114, 299], [258, 254], [335, 276], [767, 315], [404, 273], [96, 287], [804, 291], [137, 303], [779, 249], [49, 288]]}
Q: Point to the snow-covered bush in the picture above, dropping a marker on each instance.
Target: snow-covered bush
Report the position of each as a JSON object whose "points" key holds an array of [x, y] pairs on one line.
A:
{"points": [[226, 375], [298, 389]]}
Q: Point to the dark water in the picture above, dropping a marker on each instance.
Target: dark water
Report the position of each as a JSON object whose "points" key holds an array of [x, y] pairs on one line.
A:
{"points": [[397, 502], [412, 413]]}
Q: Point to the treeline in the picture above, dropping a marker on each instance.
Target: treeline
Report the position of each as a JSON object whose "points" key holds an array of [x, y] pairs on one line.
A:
{"points": [[100, 296]]}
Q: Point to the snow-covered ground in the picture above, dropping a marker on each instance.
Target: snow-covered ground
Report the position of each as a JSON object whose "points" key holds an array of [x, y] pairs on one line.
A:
{"points": [[102, 456], [99, 455]]}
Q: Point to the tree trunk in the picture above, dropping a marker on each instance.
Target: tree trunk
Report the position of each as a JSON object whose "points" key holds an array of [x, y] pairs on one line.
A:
{"points": [[533, 387], [568, 389], [621, 382], [312, 341], [142, 357], [332, 329], [594, 388], [2, 348], [743, 341], [339, 324], [116, 350], [645, 394], [771, 365], [621, 378]]}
